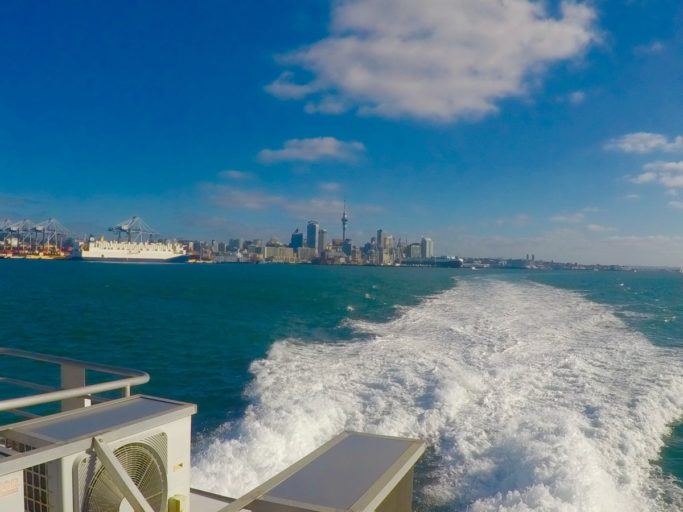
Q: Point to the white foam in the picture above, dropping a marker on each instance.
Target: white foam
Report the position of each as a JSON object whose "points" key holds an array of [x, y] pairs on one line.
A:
{"points": [[530, 397]]}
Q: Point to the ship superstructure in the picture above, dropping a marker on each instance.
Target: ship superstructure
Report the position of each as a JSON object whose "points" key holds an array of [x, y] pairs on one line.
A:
{"points": [[98, 453]]}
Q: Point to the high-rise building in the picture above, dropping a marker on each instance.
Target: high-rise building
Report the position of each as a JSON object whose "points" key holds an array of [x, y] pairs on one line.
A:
{"points": [[321, 240], [297, 240], [312, 234], [235, 244], [414, 251], [427, 248], [344, 221], [380, 239]]}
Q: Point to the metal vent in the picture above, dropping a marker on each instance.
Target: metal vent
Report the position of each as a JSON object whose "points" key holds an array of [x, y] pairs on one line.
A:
{"points": [[145, 463], [36, 497]]}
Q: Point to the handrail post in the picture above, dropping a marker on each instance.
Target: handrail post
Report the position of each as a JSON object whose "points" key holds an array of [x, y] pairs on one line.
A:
{"points": [[73, 377]]}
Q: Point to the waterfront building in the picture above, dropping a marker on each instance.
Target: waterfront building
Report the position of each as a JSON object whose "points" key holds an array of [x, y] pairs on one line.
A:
{"points": [[235, 244], [278, 254], [388, 242], [312, 233], [380, 239], [414, 251], [307, 253], [321, 240], [427, 248], [297, 240]]}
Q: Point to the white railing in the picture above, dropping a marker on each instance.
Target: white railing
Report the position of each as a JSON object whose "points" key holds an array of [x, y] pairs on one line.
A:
{"points": [[74, 392]]}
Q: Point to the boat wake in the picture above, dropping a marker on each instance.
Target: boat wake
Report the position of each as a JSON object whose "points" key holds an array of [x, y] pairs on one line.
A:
{"points": [[530, 398]]}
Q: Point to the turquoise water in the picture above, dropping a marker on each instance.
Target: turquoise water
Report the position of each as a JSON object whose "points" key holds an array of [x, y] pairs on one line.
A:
{"points": [[534, 391]]}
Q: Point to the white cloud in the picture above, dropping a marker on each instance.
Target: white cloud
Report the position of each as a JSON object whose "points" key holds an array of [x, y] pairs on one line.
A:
{"points": [[664, 166], [227, 196], [572, 218], [433, 59], [283, 87], [676, 204], [235, 175], [646, 177], [669, 174], [632, 197], [645, 142], [314, 150]]}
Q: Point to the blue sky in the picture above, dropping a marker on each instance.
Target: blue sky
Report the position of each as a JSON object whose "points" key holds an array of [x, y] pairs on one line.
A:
{"points": [[496, 128]]}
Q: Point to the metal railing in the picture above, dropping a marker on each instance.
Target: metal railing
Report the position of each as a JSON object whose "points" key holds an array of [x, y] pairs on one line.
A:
{"points": [[74, 392]]}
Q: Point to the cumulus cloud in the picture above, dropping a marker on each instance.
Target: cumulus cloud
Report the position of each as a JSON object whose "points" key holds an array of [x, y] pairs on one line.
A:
{"points": [[645, 142], [676, 204], [314, 150], [669, 174], [433, 59]]}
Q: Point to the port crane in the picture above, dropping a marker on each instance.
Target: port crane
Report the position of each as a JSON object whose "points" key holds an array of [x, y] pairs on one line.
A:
{"points": [[134, 229]]}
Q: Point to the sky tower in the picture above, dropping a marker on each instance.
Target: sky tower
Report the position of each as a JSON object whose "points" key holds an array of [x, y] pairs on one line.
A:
{"points": [[345, 220]]}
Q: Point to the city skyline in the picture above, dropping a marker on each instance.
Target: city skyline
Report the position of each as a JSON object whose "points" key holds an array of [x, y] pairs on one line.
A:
{"points": [[504, 129]]}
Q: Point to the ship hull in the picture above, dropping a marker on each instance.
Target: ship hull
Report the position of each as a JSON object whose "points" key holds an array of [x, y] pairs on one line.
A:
{"points": [[106, 259]]}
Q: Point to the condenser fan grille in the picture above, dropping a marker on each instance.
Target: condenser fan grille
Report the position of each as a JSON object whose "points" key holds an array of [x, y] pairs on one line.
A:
{"points": [[145, 468]]}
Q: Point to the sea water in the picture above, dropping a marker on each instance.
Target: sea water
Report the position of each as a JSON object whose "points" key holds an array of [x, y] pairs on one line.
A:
{"points": [[533, 390]]}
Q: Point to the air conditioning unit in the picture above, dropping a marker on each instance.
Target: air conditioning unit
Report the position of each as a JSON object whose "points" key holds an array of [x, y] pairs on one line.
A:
{"points": [[11, 487], [150, 443]]}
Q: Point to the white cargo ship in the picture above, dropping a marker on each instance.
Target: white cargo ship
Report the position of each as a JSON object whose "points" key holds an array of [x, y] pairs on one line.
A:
{"points": [[137, 248], [141, 252]]}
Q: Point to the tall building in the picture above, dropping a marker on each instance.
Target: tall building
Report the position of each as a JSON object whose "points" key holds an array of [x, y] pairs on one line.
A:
{"points": [[235, 244], [388, 242], [414, 251], [427, 248], [321, 240], [297, 240], [380, 239], [344, 221], [312, 233]]}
